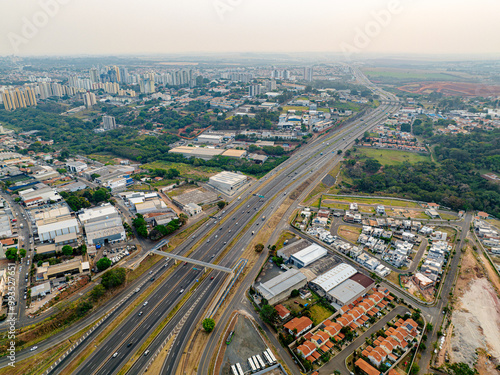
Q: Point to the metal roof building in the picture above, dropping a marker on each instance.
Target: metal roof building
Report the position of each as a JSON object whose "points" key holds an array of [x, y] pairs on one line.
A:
{"points": [[279, 288], [334, 277], [310, 254]]}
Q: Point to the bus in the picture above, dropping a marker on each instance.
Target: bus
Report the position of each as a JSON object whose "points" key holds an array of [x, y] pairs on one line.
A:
{"points": [[270, 353], [252, 366], [229, 337], [267, 358], [261, 361], [233, 369], [256, 362], [238, 367]]}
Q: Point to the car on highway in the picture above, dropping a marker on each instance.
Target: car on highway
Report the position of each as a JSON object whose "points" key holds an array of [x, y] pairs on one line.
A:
{"points": [[145, 303], [33, 348], [146, 352], [182, 291], [130, 344], [114, 355], [152, 279], [140, 313]]}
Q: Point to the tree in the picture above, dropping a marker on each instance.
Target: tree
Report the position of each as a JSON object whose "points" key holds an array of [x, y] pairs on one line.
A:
{"points": [[142, 231], [113, 278], [259, 247], [429, 327], [11, 254], [22, 253], [294, 293], [103, 263], [98, 291], [415, 369], [268, 314], [100, 195], [67, 250], [84, 249], [221, 204], [208, 324]]}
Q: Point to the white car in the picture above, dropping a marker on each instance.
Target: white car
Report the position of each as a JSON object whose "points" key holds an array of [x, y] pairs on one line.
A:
{"points": [[34, 348]]}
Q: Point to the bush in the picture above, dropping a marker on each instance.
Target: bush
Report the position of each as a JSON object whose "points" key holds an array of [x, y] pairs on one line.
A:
{"points": [[67, 250], [208, 325], [259, 247]]}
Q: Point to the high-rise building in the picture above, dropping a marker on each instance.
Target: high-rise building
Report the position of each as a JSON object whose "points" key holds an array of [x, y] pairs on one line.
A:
{"points": [[94, 75], [89, 99], [147, 85], [30, 96], [254, 90], [308, 74], [123, 74], [8, 101], [108, 122]]}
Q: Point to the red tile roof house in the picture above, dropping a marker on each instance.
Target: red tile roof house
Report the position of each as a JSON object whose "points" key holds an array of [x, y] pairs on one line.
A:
{"points": [[282, 311], [306, 349], [377, 355], [366, 368], [320, 338], [300, 325]]}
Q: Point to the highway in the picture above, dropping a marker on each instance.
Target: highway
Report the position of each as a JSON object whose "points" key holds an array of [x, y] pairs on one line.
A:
{"points": [[289, 176]]}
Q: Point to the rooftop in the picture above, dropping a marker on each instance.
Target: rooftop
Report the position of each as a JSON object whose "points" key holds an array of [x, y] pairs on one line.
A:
{"points": [[335, 276]]}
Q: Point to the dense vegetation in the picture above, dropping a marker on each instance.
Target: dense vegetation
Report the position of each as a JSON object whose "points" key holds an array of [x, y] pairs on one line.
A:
{"points": [[85, 198], [455, 181]]}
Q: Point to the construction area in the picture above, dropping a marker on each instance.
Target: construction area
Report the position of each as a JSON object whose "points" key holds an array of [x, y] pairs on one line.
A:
{"points": [[472, 337]]}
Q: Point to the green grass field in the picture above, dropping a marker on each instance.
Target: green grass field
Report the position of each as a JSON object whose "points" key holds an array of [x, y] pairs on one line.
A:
{"points": [[391, 157], [409, 75], [302, 108], [373, 201], [103, 158], [185, 170]]}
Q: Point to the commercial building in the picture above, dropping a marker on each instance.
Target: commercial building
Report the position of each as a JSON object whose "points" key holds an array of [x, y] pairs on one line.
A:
{"points": [[49, 229], [192, 209], [39, 194], [227, 182], [341, 284], [233, 153], [307, 256], [209, 138], [288, 250], [197, 152], [279, 288], [40, 290], [76, 166], [46, 271], [102, 225]]}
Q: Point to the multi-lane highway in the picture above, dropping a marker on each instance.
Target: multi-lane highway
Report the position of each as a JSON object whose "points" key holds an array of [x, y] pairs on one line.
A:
{"points": [[125, 340], [274, 188]]}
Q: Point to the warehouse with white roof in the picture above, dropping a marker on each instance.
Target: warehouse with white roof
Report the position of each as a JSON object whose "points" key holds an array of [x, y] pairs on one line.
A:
{"points": [[227, 182], [341, 285], [280, 287], [309, 255]]}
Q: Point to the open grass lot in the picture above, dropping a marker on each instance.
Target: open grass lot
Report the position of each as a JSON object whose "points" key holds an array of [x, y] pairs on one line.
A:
{"points": [[103, 158], [446, 216], [383, 73], [319, 313], [374, 201], [292, 306], [185, 170], [391, 157], [332, 204], [349, 233], [285, 236], [355, 107]]}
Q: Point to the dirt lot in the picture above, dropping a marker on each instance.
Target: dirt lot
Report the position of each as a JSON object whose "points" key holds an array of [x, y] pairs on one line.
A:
{"points": [[451, 88], [349, 233], [476, 318]]}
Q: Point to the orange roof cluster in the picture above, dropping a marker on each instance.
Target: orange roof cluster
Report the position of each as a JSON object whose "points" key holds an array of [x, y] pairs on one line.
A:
{"points": [[396, 337]]}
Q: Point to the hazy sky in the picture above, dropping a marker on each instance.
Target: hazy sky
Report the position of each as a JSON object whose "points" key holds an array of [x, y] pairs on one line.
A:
{"points": [[55, 27]]}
